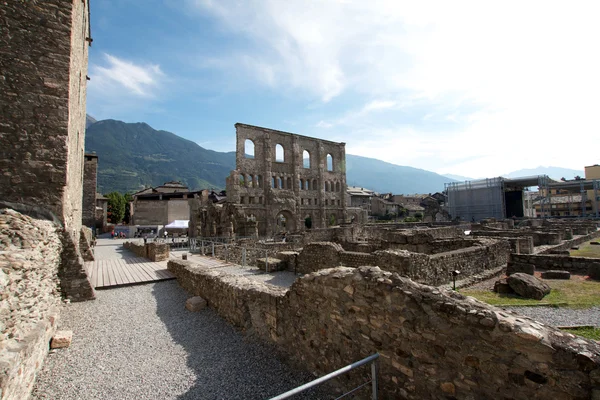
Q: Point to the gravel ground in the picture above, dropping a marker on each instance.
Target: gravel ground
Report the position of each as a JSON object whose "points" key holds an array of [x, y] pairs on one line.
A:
{"points": [[561, 316], [140, 342]]}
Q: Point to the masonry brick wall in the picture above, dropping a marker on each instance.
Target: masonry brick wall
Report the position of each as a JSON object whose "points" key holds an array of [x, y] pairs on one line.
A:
{"points": [[580, 265], [90, 179], [30, 298], [432, 343]]}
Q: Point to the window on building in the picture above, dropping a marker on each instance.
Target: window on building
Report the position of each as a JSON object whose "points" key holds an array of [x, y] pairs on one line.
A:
{"points": [[279, 153], [329, 162], [306, 159], [248, 148], [279, 183]]}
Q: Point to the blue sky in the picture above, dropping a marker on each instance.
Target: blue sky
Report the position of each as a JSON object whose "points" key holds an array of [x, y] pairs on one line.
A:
{"points": [[464, 87]]}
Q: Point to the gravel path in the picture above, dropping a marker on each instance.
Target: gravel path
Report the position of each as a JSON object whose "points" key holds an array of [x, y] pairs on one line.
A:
{"points": [[561, 316], [140, 342]]}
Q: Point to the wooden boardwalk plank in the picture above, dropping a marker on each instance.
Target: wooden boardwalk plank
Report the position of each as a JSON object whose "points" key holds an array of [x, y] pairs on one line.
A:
{"points": [[125, 271], [101, 274], [118, 272], [144, 275], [121, 279], [150, 270]]}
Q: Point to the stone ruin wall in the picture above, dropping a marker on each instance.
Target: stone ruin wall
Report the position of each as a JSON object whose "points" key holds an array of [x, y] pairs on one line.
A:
{"points": [[42, 135], [432, 343], [30, 298], [431, 269], [566, 245], [152, 251], [323, 191], [90, 183], [579, 265]]}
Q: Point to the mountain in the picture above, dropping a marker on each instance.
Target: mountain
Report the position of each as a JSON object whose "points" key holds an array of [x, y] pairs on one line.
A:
{"points": [[459, 178], [553, 172], [89, 120], [384, 177], [132, 156]]}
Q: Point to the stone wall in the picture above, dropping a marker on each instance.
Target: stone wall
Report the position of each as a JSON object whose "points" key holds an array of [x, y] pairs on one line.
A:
{"points": [[30, 299], [573, 242], [580, 265], [85, 244], [431, 269], [90, 180], [432, 344], [157, 251], [234, 253]]}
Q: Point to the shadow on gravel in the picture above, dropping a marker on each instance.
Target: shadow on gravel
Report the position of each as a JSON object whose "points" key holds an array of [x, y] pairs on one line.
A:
{"points": [[227, 364]]}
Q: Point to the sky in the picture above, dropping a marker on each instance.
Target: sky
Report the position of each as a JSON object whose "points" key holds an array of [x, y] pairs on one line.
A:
{"points": [[471, 88]]}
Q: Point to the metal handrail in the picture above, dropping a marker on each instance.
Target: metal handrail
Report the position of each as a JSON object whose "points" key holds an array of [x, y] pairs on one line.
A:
{"points": [[374, 370]]}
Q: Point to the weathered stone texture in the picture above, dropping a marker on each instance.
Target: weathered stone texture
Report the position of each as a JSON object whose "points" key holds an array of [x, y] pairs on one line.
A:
{"points": [[195, 303], [61, 339], [432, 343], [556, 275], [528, 286], [152, 251], [85, 244], [29, 262], [90, 181], [552, 261]]}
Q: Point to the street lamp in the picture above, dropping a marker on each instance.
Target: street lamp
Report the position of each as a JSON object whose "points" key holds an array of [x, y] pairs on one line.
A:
{"points": [[454, 275]]}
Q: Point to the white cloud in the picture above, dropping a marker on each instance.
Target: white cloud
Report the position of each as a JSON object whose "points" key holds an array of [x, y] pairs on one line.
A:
{"points": [[122, 77], [518, 82]]}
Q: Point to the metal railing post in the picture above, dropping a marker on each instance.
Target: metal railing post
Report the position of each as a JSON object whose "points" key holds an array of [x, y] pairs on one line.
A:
{"points": [[267, 261], [374, 384]]}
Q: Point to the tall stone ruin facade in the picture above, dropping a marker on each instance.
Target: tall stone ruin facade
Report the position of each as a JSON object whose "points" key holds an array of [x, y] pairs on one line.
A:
{"points": [[287, 182], [43, 67]]}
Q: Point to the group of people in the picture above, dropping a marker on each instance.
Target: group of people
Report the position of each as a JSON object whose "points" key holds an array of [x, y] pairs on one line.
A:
{"points": [[120, 235]]}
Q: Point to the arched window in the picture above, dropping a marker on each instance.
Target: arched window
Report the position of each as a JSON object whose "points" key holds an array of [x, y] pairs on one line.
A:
{"points": [[288, 184], [250, 181], [306, 159], [307, 185], [279, 153], [242, 180], [337, 187], [329, 162], [301, 184], [273, 182], [279, 183], [249, 148], [327, 186]]}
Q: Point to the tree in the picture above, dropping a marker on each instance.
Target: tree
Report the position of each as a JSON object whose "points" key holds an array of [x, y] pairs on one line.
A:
{"points": [[128, 198], [116, 207]]}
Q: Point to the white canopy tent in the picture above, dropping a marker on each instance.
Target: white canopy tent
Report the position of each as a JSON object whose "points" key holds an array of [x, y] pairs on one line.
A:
{"points": [[178, 224]]}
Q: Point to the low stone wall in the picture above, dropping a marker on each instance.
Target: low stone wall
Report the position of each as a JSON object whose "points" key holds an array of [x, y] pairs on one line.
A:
{"points": [[234, 253], [157, 251], [539, 238], [435, 269], [139, 250], [579, 265], [152, 251], [30, 298], [432, 343], [573, 242], [518, 244]]}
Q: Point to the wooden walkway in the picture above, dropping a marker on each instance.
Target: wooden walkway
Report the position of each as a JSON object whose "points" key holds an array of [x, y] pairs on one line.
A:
{"points": [[125, 271]]}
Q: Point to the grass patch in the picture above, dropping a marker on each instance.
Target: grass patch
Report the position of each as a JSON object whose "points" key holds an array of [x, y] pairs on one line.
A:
{"points": [[590, 333], [576, 294], [587, 250]]}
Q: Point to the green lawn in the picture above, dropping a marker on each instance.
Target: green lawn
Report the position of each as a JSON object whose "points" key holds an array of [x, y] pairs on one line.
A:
{"points": [[590, 333], [571, 293], [587, 250]]}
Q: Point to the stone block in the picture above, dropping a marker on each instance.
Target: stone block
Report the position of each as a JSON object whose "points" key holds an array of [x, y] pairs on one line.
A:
{"points": [[271, 264], [528, 286], [561, 252], [554, 274], [502, 286], [513, 268], [61, 339], [196, 303], [575, 248], [594, 272], [184, 256], [595, 243]]}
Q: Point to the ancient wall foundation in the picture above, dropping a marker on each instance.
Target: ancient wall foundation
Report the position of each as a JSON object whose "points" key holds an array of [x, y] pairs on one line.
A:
{"points": [[30, 299], [152, 251], [433, 343], [580, 265]]}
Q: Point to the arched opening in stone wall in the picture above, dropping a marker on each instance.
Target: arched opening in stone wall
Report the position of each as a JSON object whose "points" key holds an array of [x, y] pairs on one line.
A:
{"points": [[242, 180], [285, 222], [307, 185], [308, 221], [306, 159], [273, 182], [332, 220], [279, 153], [250, 180], [329, 162], [248, 148], [288, 184], [301, 184], [337, 187], [279, 183], [259, 181]]}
